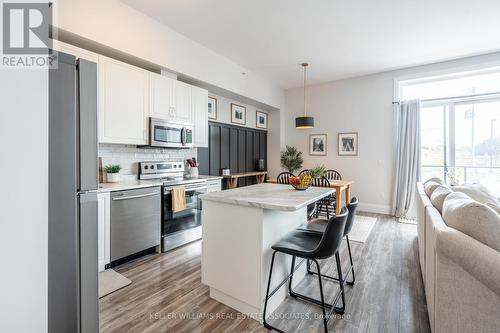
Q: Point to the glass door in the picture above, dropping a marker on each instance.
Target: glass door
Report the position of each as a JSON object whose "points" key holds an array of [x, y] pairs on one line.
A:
{"points": [[434, 141], [476, 153], [460, 142]]}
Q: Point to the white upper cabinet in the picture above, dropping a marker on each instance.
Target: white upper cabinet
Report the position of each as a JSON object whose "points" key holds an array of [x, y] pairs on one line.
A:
{"points": [[200, 115], [170, 99], [123, 102], [129, 95], [161, 94], [182, 107]]}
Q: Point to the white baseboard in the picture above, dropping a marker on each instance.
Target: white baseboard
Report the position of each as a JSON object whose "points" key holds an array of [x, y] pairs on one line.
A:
{"points": [[375, 208]]}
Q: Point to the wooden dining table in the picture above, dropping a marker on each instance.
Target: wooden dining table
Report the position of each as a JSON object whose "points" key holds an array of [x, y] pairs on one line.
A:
{"points": [[339, 186]]}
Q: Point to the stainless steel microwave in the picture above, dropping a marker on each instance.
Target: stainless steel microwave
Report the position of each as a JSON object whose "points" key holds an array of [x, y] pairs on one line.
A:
{"points": [[164, 133]]}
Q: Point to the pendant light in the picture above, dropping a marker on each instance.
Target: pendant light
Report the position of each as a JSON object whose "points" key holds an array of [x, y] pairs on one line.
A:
{"points": [[305, 121]]}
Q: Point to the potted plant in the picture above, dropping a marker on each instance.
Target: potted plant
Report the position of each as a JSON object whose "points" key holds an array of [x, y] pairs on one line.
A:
{"points": [[318, 171], [112, 173], [291, 159]]}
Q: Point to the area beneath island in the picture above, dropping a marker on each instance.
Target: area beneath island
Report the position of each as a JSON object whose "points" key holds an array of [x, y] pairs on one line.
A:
{"points": [[239, 227]]}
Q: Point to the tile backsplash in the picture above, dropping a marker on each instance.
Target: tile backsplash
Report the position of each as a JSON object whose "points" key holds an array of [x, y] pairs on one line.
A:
{"points": [[128, 156]]}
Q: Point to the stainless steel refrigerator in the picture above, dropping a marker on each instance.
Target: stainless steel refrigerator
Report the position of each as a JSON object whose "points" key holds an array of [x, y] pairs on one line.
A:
{"points": [[73, 181]]}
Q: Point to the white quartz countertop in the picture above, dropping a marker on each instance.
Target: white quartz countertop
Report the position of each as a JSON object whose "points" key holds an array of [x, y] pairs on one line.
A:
{"points": [[269, 196], [130, 184]]}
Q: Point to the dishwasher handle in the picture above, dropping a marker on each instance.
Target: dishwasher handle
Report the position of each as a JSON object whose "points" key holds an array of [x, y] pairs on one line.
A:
{"points": [[136, 196]]}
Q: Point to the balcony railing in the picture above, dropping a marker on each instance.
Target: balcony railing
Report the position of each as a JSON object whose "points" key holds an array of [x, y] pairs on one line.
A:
{"points": [[486, 175]]}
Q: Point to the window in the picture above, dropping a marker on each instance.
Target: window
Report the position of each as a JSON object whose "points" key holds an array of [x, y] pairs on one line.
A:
{"points": [[460, 126]]}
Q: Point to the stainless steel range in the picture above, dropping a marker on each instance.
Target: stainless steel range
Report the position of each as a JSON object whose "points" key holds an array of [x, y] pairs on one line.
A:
{"points": [[182, 227]]}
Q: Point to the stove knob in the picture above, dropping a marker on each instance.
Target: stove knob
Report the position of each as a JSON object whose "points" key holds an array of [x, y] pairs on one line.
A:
{"points": [[152, 167], [146, 167]]}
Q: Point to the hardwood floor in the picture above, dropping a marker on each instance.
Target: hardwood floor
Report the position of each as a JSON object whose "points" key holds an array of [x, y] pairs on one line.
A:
{"points": [[166, 294]]}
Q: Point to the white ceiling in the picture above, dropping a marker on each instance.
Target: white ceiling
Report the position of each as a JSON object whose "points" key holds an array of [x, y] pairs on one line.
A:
{"points": [[339, 39]]}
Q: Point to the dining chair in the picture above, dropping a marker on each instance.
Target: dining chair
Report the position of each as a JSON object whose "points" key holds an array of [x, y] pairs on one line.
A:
{"points": [[311, 208], [284, 177], [323, 205], [303, 172], [332, 175]]}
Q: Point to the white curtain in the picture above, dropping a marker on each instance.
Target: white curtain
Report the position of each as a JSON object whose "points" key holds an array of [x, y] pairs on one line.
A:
{"points": [[407, 156]]}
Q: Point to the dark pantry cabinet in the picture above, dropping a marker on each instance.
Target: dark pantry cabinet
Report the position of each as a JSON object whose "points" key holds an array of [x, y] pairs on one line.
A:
{"points": [[233, 147]]}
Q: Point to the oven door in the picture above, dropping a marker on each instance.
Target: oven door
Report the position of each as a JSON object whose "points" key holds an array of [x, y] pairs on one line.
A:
{"points": [[165, 134], [188, 218]]}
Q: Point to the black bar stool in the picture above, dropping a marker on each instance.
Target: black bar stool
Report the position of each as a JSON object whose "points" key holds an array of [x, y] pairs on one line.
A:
{"points": [[319, 226], [311, 246]]}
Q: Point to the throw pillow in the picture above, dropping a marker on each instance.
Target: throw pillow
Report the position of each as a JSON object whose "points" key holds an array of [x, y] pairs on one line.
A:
{"points": [[472, 218], [434, 179], [479, 193], [438, 196], [430, 186], [496, 208]]}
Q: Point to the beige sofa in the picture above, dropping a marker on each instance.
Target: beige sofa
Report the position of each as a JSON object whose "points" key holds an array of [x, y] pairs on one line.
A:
{"points": [[461, 273]]}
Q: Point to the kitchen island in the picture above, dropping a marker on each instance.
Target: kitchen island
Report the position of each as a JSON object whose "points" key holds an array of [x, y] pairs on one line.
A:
{"points": [[239, 227]]}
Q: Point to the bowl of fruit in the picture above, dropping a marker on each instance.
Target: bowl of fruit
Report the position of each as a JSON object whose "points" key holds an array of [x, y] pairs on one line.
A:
{"points": [[301, 182]]}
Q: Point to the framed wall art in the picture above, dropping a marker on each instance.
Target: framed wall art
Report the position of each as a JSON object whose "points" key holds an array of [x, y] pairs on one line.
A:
{"points": [[212, 108], [261, 119], [317, 144], [238, 114], [348, 144]]}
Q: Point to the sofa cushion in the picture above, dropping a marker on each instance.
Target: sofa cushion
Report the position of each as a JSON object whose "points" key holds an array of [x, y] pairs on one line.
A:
{"points": [[472, 218], [493, 206], [430, 186], [477, 192], [438, 196]]}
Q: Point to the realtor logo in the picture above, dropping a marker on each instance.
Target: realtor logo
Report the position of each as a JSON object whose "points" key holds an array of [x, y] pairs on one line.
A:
{"points": [[25, 37]]}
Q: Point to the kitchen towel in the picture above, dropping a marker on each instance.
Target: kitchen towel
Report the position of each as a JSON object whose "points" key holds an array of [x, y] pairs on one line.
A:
{"points": [[178, 198]]}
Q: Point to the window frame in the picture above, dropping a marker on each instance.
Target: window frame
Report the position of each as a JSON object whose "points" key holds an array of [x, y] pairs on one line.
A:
{"points": [[448, 103]]}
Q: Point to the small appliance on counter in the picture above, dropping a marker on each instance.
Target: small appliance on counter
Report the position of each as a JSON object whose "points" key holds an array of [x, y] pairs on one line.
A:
{"points": [[177, 227], [191, 168], [261, 165], [226, 172]]}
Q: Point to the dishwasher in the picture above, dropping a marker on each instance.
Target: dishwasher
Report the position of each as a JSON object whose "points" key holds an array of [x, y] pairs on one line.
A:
{"points": [[135, 221]]}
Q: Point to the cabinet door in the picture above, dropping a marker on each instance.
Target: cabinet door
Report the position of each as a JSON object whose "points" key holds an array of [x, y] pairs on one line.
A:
{"points": [[214, 185], [182, 103], [103, 230], [161, 90], [124, 102], [200, 114]]}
